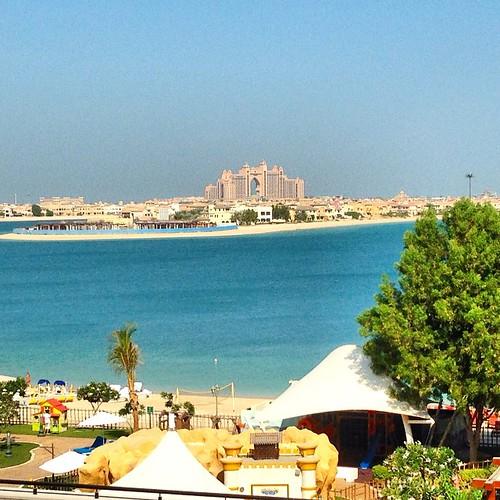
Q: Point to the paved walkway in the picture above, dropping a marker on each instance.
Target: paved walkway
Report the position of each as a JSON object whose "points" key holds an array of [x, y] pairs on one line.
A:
{"points": [[30, 470]]}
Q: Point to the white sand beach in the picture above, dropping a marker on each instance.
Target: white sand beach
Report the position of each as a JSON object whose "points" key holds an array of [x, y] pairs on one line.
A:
{"points": [[204, 404], [241, 231]]}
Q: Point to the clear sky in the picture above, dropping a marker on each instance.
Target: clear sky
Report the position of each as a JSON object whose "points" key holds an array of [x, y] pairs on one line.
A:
{"points": [[131, 100]]}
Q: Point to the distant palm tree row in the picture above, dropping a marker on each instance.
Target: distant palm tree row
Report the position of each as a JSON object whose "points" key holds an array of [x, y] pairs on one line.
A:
{"points": [[124, 356]]}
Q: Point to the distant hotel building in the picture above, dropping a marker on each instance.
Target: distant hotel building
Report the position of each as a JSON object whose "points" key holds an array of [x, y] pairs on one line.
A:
{"points": [[259, 181]]}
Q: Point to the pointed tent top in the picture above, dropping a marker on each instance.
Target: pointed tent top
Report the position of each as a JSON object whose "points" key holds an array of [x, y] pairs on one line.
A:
{"points": [[343, 381], [170, 466]]}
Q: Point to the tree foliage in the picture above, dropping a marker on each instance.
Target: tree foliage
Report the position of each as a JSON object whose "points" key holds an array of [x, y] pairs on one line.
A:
{"points": [[188, 215], [97, 393], [124, 356], [12, 386], [245, 217], [436, 331], [281, 212], [301, 216], [36, 210], [9, 408]]}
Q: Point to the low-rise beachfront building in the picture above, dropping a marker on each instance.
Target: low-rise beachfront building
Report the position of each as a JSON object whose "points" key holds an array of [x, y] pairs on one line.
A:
{"points": [[264, 213], [6, 211], [220, 214]]}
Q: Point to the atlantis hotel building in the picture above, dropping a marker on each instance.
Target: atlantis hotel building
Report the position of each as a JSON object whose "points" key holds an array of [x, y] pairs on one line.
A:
{"points": [[259, 181]]}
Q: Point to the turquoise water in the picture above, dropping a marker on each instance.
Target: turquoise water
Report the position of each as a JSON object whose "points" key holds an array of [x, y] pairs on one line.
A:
{"points": [[268, 307]]}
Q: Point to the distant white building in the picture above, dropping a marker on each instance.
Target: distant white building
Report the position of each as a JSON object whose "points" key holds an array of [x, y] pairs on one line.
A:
{"points": [[220, 214], [165, 212], [264, 213]]}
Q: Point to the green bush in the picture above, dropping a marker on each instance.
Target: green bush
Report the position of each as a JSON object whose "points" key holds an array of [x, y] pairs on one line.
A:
{"points": [[467, 475], [421, 473], [380, 472]]}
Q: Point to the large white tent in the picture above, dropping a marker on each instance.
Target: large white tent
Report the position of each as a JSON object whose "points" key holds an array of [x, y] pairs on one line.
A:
{"points": [[170, 466], [343, 381]]}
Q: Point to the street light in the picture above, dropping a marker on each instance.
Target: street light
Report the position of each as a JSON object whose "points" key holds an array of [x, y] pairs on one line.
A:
{"points": [[470, 176], [215, 390]]}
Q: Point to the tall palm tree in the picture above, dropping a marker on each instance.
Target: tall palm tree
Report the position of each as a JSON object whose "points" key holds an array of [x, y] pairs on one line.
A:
{"points": [[124, 356]]}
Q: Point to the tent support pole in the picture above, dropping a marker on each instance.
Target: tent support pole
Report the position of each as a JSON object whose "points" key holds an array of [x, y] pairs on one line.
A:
{"points": [[407, 427]]}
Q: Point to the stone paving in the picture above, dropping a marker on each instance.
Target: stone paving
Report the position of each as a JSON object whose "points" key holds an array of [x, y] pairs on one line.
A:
{"points": [[30, 470]]}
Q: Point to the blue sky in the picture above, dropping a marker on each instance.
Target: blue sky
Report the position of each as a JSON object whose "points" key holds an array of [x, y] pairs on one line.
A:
{"points": [[131, 100]]}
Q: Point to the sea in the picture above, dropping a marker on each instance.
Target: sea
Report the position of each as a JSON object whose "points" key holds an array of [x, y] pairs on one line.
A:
{"points": [[257, 311]]}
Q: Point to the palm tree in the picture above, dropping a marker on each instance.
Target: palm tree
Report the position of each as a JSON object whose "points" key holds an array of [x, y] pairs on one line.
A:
{"points": [[124, 356]]}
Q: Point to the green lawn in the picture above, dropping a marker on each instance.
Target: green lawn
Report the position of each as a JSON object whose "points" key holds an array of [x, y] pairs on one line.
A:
{"points": [[72, 432], [20, 454]]}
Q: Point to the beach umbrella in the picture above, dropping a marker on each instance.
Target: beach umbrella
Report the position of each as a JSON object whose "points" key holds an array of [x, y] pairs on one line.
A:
{"points": [[102, 419], [64, 463]]}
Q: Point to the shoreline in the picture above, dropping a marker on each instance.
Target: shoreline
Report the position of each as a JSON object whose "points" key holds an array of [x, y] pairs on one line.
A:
{"points": [[240, 231], [204, 404]]}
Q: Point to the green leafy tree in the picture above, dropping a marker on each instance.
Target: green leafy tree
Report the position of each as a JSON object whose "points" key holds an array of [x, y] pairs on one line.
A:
{"points": [[245, 217], [17, 385], [124, 356], [49, 213], [97, 393], [354, 215], [188, 215], [36, 210], [9, 408], [127, 409], [281, 212], [301, 216], [436, 331]]}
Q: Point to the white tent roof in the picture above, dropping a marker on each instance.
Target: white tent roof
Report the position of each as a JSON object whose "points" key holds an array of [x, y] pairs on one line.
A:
{"points": [[170, 466], [64, 463], [102, 418], [343, 381]]}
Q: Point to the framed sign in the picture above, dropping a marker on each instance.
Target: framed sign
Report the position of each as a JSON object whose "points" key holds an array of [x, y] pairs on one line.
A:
{"points": [[271, 490]]}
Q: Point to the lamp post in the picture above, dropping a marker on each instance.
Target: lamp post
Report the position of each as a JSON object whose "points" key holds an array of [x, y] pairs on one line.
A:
{"points": [[470, 176], [8, 449], [215, 390]]}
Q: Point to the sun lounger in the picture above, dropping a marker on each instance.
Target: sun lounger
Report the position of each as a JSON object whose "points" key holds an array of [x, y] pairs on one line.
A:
{"points": [[85, 450]]}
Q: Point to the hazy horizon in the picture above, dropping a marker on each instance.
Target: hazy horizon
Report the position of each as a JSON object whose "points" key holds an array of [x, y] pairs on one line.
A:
{"points": [[130, 101]]}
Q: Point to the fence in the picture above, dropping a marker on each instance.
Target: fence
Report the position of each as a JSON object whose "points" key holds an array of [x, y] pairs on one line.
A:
{"points": [[20, 489], [146, 420], [475, 465], [60, 482], [359, 491], [490, 436]]}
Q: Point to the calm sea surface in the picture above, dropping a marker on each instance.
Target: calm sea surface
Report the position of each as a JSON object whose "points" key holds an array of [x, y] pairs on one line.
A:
{"points": [[268, 307]]}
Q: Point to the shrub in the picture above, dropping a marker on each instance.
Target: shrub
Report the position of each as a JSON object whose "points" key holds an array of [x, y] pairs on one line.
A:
{"points": [[380, 472], [467, 475], [418, 472]]}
